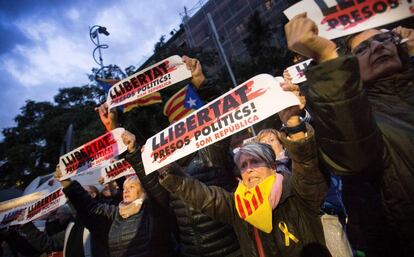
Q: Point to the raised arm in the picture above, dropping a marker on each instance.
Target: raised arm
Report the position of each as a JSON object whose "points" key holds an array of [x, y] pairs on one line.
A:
{"points": [[298, 138], [345, 127], [84, 204], [41, 241], [209, 200], [308, 181], [149, 182]]}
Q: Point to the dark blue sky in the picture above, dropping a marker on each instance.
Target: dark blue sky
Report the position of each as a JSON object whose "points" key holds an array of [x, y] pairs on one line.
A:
{"points": [[45, 44]]}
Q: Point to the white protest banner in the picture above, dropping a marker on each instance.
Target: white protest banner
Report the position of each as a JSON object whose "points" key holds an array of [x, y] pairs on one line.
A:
{"points": [[33, 210], [116, 170], [91, 176], [20, 201], [297, 71], [43, 206], [336, 18], [147, 81], [92, 154], [9, 217], [243, 106]]}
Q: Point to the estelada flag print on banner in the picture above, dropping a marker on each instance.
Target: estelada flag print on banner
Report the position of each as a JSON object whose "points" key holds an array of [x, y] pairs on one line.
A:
{"points": [[116, 170], [182, 103], [340, 18], [243, 106], [92, 154], [152, 79]]}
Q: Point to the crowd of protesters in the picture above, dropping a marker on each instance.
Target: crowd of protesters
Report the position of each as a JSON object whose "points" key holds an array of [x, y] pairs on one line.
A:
{"points": [[360, 136]]}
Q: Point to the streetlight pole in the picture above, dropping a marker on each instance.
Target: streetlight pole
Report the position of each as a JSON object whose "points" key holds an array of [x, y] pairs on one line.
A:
{"points": [[94, 32]]}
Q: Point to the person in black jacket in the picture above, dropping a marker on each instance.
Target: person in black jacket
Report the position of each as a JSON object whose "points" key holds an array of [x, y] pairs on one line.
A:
{"points": [[75, 240], [363, 110], [137, 227], [272, 215], [198, 234]]}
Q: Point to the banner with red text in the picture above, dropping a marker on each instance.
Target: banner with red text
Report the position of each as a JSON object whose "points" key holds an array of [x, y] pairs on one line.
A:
{"points": [[43, 206], [336, 18], [243, 106], [152, 79], [22, 200], [33, 210], [116, 170], [297, 71], [92, 154]]}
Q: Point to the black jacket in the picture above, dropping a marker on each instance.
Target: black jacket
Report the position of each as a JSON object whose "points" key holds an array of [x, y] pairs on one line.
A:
{"points": [[146, 233], [298, 207], [56, 243], [199, 235], [367, 131]]}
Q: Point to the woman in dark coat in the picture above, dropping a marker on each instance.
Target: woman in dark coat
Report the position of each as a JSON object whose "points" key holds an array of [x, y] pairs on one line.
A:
{"points": [[138, 226]]}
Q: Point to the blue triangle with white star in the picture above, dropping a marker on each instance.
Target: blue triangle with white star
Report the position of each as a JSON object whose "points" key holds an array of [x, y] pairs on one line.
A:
{"points": [[192, 100]]}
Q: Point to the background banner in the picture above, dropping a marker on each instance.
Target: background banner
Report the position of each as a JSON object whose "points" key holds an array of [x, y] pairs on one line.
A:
{"points": [[340, 18], [152, 79], [297, 71], [33, 210], [92, 154], [116, 170]]}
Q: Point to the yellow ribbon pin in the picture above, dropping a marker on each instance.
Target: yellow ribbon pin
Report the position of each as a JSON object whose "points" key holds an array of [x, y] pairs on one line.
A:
{"points": [[283, 227]]}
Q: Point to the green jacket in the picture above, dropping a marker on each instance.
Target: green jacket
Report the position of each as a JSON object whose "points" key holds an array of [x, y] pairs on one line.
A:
{"points": [[367, 130], [298, 208]]}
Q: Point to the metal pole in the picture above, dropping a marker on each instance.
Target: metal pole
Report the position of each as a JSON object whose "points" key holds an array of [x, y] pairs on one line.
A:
{"points": [[221, 50], [99, 50], [223, 55], [187, 29]]}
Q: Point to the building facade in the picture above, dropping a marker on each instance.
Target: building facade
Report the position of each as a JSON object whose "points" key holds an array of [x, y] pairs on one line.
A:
{"points": [[230, 18]]}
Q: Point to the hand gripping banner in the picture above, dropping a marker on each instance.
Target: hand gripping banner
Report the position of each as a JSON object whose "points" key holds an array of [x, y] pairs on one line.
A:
{"points": [[336, 18], [92, 154], [152, 79], [116, 170], [253, 101]]}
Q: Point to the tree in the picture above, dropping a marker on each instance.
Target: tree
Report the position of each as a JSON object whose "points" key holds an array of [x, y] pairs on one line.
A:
{"points": [[31, 148], [267, 55]]}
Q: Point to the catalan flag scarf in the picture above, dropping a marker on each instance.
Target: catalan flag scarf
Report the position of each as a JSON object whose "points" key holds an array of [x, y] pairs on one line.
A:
{"points": [[255, 205]]}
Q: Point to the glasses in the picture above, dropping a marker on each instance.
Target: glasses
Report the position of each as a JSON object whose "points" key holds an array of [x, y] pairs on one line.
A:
{"points": [[386, 37]]}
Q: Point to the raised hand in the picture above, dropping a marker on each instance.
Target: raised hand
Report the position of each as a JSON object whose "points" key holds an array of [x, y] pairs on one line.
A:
{"points": [[302, 37], [108, 118], [287, 114], [129, 140], [196, 70], [58, 175], [406, 33]]}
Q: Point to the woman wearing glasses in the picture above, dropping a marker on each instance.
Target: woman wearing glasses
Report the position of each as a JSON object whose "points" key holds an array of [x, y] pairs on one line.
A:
{"points": [[363, 110]]}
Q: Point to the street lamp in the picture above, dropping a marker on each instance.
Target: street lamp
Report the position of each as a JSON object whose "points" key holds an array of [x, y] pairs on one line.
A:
{"points": [[94, 32]]}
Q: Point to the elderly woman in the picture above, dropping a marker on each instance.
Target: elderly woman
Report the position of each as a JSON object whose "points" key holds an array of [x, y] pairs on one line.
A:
{"points": [[270, 137], [138, 226], [272, 215]]}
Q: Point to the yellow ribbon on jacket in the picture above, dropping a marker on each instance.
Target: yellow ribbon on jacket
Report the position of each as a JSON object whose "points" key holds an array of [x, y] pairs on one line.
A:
{"points": [[283, 227], [253, 205]]}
